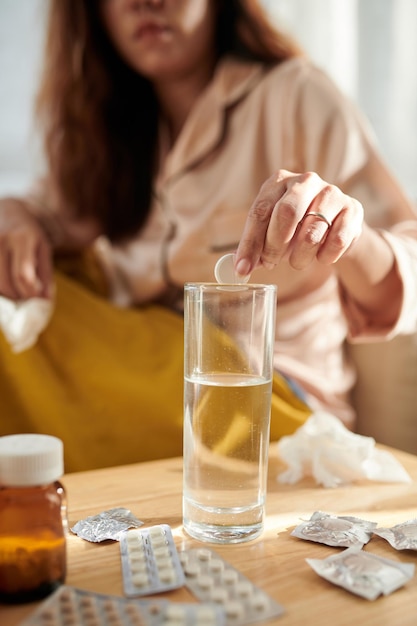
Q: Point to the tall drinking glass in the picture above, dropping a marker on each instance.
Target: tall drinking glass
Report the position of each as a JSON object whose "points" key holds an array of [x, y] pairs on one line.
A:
{"points": [[228, 349]]}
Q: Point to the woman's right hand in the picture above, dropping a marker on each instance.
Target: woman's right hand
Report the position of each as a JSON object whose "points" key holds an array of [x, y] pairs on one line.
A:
{"points": [[25, 254]]}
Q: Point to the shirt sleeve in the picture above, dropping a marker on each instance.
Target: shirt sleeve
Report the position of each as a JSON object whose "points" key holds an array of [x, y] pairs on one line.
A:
{"points": [[337, 142]]}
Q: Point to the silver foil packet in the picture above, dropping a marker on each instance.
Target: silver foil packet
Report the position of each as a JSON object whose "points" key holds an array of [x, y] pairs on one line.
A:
{"points": [[333, 530], [362, 573], [109, 524], [402, 536]]}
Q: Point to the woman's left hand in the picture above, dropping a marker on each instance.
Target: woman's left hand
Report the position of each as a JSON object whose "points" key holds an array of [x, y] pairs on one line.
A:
{"points": [[298, 218]]}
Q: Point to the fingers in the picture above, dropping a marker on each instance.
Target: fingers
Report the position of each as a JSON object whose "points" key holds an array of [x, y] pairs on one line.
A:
{"points": [[345, 230], [23, 271], [45, 273], [7, 288], [273, 219], [287, 219], [252, 242], [31, 270], [299, 218], [330, 226], [25, 267]]}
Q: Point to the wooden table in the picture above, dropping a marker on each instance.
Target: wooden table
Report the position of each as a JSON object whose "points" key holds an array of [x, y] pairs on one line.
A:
{"points": [[275, 561]]}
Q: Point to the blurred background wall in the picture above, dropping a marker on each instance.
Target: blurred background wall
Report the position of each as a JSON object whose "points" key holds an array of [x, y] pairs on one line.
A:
{"points": [[369, 47], [21, 39]]}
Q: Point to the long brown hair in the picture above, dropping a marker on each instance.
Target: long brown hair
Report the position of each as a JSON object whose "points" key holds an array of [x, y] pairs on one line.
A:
{"points": [[101, 153]]}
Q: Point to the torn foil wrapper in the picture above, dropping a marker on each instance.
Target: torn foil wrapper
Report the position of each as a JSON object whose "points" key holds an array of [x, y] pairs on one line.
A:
{"points": [[109, 524], [334, 530], [401, 536], [362, 573]]}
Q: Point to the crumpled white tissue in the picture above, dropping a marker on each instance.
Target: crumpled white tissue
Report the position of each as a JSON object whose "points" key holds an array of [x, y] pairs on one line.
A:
{"points": [[326, 450], [23, 321]]}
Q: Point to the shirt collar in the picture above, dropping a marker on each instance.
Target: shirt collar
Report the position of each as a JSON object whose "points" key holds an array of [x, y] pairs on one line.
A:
{"points": [[204, 129]]}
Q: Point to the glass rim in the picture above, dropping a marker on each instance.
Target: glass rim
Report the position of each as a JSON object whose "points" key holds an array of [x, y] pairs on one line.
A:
{"points": [[236, 286]]}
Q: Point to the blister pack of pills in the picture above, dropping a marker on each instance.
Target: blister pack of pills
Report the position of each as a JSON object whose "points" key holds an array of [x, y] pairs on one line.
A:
{"points": [[150, 561], [69, 606], [213, 580]]}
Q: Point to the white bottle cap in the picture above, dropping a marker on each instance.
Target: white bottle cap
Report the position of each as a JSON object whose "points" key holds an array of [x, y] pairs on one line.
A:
{"points": [[30, 459]]}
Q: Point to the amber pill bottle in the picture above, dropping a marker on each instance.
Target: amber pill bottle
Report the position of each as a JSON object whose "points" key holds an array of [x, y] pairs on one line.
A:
{"points": [[33, 517]]}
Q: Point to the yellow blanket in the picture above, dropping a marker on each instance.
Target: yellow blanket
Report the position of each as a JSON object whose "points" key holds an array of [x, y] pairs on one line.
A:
{"points": [[109, 382]]}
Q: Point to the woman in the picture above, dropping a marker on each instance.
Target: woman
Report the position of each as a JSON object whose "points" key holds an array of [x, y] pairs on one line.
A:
{"points": [[163, 119]]}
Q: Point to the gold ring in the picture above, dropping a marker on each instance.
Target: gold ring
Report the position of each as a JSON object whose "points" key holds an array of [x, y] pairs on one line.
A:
{"points": [[320, 216]]}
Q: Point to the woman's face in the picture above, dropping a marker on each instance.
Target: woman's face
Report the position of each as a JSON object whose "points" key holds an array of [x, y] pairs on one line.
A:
{"points": [[161, 39]]}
